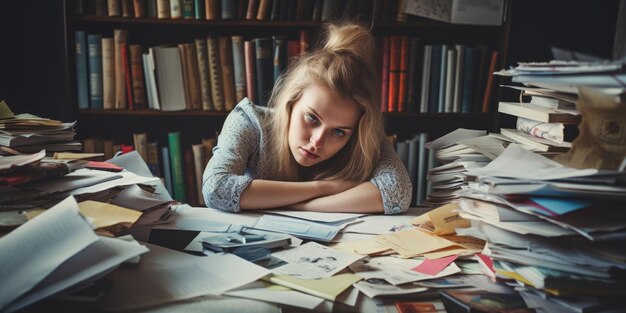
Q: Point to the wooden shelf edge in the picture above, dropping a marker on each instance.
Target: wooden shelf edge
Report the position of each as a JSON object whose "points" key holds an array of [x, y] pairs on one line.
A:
{"points": [[267, 23], [150, 113]]}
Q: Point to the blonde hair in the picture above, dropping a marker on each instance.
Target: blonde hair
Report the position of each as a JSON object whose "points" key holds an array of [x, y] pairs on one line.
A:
{"points": [[346, 66]]}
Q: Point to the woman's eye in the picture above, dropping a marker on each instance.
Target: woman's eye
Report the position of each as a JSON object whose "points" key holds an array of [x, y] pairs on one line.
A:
{"points": [[339, 132], [310, 117]]}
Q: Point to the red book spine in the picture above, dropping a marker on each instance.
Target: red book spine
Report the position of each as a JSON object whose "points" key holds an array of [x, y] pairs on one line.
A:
{"points": [[385, 76], [405, 53], [489, 85], [304, 41], [249, 57], [129, 82], [394, 73]]}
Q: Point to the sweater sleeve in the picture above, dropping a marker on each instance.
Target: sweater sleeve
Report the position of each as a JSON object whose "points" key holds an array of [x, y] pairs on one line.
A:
{"points": [[392, 178], [224, 177]]}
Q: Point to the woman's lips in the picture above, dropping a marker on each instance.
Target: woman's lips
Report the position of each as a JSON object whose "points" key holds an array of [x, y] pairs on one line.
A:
{"points": [[309, 155]]}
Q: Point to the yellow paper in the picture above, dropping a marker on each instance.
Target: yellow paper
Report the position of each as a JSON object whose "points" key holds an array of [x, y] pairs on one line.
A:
{"points": [[75, 156], [414, 242], [446, 220], [105, 214], [327, 288], [367, 247]]}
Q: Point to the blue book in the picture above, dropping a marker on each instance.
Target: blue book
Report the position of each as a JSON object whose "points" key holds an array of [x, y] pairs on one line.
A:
{"points": [[167, 174], [470, 72], [81, 70], [423, 166], [264, 69], [435, 76], [279, 56], [94, 54]]}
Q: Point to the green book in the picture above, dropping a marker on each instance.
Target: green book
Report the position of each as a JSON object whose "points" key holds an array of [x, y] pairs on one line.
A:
{"points": [[176, 162]]}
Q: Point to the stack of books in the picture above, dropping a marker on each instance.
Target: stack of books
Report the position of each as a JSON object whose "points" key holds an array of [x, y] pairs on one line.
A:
{"points": [[26, 133], [550, 228], [546, 114]]}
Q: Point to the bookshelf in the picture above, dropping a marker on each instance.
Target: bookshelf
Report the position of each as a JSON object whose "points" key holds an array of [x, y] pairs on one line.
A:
{"points": [[120, 124]]}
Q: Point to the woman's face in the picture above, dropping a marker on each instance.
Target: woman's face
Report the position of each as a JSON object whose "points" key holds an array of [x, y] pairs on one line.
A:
{"points": [[321, 123]]}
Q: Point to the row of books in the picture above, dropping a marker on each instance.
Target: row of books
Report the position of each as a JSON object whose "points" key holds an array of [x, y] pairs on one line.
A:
{"points": [[420, 77], [212, 73], [418, 161], [179, 167], [273, 10]]}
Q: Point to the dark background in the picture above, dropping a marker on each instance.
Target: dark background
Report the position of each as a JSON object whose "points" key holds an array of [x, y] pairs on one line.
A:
{"points": [[34, 72]]}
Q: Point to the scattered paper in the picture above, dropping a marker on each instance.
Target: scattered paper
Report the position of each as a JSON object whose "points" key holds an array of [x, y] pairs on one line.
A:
{"points": [[312, 261], [434, 266]]}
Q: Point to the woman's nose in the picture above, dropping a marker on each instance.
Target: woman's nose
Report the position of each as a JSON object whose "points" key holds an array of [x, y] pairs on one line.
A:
{"points": [[317, 138]]}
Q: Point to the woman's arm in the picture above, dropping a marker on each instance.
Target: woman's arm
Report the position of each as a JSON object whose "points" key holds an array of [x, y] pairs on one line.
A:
{"points": [[268, 194], [364, 198]]}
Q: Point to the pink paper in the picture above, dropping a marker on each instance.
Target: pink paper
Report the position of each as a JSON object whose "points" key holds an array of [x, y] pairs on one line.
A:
{"points": [[433, 267]]}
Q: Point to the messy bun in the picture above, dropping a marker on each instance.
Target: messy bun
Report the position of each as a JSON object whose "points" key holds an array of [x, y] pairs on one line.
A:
{"points": [[351, 38], [344, 64]]}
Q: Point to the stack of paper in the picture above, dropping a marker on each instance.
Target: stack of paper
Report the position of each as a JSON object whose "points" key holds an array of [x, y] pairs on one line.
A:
{"points": [[553, 228], [55, 251], [27, 133], [458, 151]]}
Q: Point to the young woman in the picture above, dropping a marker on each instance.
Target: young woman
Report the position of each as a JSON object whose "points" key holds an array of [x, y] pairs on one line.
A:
{"points": [[319, 146]]}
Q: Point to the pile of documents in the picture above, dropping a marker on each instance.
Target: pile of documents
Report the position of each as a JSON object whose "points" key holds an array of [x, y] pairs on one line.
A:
{"points": [[459, 151], [55, 252], [27, 133], [557, 231]]}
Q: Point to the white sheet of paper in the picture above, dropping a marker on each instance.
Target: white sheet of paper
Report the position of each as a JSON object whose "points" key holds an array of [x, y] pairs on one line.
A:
{"points": [[297, 227], [99, 257], [323, 217], [258, 291], [454, 137], [517, 162], [218, 304], [128, 178], [374, 288], [384, 224], [82, 178], [166, 275], [312, 260], [397, 271], [187, 216], [34, 250]]}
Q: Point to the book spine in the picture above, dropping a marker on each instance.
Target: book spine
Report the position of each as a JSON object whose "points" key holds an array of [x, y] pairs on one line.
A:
{"points": [[415, 75], [94, 52], [151, 9], [212, 8], [470, 72], [250, 59], [195, 90], [239, 67], [81, 70], [404, 68], [435, 76], [138, 83], [264, 73], [198, 165], [394, 73], [127, 8], [153, 159], [317, 10], [188, 9], [167, 169], [279, 56], [140, 140], [203, 72], [184, 59], [176, 162], [163, 9], [443, 68], [113, 7], [226, 62], [275, 10], [215, 74], [190, 178], [108, 73], [262, 12], [425, 87], [384, 99], [229, 9], [101, 8], [120, 36], [199, 9], [252, 9], [128, 86], [176, 11], [450, 72], [139, 7], [458, 78], [490, 82]]}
